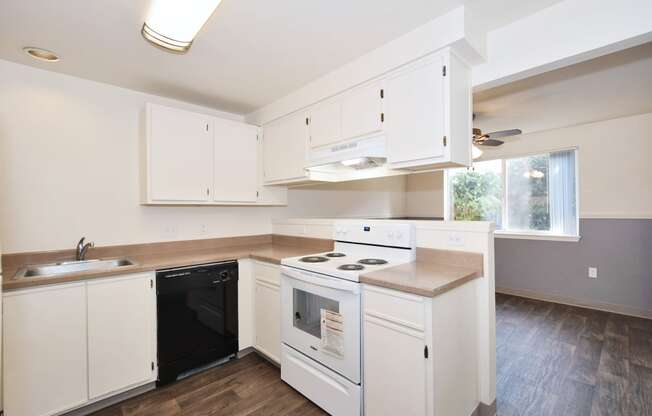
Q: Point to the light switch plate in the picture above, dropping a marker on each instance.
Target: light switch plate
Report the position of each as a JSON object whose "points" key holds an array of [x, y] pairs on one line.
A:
{"points": [[593, 272]]}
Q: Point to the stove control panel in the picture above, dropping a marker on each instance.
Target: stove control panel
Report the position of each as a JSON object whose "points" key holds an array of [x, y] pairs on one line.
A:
{"points": [[381, 233]]}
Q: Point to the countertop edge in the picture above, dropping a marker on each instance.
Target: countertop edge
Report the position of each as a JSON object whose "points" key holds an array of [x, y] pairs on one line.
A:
{"points": [[419, 291]]}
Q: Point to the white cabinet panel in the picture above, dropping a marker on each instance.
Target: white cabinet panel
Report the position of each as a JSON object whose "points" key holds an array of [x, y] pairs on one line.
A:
{"points": [[121, 333], [284, 149], [235, 162], [179, 154], [45, 368], [326, 124], [394, 370], [414, 116], [361, 111], [268, 310]]}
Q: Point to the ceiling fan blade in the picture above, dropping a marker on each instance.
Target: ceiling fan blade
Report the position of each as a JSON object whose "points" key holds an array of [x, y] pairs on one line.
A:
{"points": [[490, 142], [503, 133]]}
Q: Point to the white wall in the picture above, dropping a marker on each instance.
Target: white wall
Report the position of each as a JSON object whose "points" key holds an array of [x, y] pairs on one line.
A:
{"points": [[69, 167], [613, 167], [382, 197], [424, 193]]}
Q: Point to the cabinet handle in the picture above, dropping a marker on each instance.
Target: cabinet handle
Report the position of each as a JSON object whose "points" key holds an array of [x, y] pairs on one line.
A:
{"points": [[208, 191]]}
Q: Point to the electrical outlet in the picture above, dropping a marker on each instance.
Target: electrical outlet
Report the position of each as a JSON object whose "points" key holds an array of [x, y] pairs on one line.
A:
{"points": [[455, 239], [593, 272]]}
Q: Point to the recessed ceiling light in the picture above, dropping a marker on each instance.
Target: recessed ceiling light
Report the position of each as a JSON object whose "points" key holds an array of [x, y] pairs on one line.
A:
{"points": [[41, 54], [173, 24]]}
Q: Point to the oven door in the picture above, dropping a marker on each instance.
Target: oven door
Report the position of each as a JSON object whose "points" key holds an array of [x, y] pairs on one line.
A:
{"points": [[320, 317]]}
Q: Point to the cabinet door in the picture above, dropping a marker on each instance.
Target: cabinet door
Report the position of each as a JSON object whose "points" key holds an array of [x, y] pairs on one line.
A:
{"points": [[285, 145], [326, 124], [361, 111], [44, 353], [268, 310], [414, 113], [121, 335], [235, 162], [180, 157], [393, 362]]}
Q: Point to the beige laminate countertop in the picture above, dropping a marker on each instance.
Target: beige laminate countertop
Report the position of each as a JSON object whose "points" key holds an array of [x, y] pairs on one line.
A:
{"points": [[272, 253], [423, 278]]}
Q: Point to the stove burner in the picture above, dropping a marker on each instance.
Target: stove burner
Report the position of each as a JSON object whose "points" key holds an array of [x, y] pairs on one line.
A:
{"points": [[335, 255], [350, 267], [372, 262], [313, 259]]}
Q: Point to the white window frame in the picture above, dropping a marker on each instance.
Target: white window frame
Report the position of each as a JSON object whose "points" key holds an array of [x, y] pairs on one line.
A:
{"points": [[529, 234]]}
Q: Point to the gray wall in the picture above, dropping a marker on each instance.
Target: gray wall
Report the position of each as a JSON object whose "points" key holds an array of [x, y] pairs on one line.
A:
{"points": [[621, 249]]}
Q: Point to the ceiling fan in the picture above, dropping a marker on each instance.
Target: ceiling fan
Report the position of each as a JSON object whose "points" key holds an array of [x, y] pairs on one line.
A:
{"points": [[489, 139]]}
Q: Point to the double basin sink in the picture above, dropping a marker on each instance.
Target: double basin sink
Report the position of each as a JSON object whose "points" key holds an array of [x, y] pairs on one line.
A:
{"points": [[65, 267]]}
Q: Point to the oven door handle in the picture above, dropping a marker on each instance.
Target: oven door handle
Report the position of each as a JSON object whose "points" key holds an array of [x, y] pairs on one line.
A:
{"points": [[315, 279]]}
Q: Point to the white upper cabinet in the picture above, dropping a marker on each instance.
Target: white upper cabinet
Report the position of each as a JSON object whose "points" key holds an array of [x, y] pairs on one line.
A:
{"points": [[179, 155], [235, 167], [195, 159], [428, 114], [326, 123], [361, 111], [285, 143]]}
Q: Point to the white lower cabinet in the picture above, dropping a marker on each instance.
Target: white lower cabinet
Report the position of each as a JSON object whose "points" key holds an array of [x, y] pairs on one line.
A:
{"points": [[267, 309], [395, 365], [71, 344], [420, 353], [44, 354], [121, 320]]}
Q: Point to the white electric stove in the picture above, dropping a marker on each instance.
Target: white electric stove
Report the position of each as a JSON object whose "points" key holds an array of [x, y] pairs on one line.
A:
{"points": [[321, 310]]}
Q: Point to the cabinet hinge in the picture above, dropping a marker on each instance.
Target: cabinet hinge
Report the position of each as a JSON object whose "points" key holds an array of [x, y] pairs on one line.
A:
{"points": [[443, 70], [425, 351], [382, 117], [444, 140], [382, 93], [152, 365], [307, 121]]}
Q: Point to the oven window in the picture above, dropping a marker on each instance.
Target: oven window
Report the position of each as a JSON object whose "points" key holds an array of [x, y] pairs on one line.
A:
{"points": [[307, 311]]}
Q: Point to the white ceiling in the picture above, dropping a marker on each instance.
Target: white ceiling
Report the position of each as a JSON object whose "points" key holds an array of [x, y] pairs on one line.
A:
{"points": [[612, 86], [250, 53]]}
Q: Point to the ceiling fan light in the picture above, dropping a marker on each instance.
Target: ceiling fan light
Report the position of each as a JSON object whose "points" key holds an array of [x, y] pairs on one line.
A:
{"points": [[476, 152], [173, 25]]}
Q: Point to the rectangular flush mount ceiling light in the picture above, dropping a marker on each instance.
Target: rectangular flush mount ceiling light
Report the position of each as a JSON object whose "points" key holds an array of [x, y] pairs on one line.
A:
{"points": [[173, 24]]}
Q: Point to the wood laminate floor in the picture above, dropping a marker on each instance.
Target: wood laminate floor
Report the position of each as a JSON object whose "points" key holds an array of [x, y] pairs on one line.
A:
{"points": [[555, 359], [248, 386], [551, 360]]}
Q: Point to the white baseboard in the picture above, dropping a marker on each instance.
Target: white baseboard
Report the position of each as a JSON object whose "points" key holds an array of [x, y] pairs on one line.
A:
{"points": [[601, 306]]}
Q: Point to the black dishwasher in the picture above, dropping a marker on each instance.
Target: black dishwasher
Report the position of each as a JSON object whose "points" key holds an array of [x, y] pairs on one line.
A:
{"points": [[197, 310]]}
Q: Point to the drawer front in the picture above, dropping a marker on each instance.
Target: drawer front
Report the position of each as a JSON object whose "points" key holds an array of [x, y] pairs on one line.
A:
{"points": [[269, 273], [326, 388], [394, 306]]}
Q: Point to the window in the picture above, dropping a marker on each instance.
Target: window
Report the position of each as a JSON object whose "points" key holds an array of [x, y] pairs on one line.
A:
{"points": [[532, 194]]}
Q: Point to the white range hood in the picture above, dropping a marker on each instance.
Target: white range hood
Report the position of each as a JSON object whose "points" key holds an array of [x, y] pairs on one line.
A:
{"points": [[362, 158]]}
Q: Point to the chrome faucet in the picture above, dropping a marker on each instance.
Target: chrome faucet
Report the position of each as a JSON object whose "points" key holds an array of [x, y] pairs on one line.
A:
{"points": [[82, 248]]}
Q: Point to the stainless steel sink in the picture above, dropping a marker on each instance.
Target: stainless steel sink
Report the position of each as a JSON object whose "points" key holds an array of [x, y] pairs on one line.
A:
{"points": [[65, 267]]}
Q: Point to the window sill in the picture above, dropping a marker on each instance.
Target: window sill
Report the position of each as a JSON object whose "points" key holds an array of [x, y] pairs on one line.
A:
{"points": [[536, 236]]}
